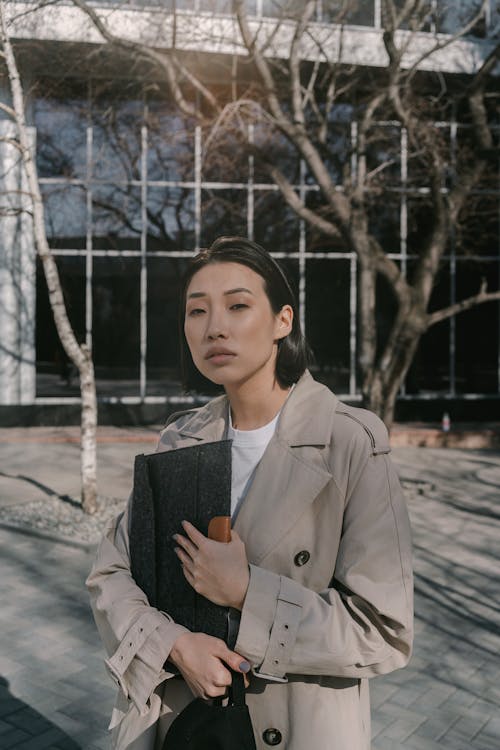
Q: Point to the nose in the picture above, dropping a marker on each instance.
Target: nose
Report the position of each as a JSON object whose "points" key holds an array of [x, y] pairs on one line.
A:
{"points": [[216, 328]]}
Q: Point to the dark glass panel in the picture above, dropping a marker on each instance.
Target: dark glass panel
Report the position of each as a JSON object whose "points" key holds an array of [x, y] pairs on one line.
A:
{"points": [[384, 221], [417, 164], [170, 219], [328, 321], [276, 226], [162, 362], [224, 212], [65, 215], [454, 15], [116, 217], [55, 374], [420, 224], [477, 330], [383, 157], [316, 239], [478, 228], [61, 137], [417, 16], [171, 144], [116, 143], [226, 158], [275, 149], [358, 12], [290, 267], [430, 369], [116, 325]]}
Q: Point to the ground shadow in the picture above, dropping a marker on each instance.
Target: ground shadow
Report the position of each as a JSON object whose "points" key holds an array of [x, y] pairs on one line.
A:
{"points": [[43, 487], [21, 724]]}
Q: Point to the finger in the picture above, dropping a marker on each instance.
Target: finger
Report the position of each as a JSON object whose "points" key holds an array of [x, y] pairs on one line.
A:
{"points": [[186, 544], [195, 536], [183, 557], [237, 662]]}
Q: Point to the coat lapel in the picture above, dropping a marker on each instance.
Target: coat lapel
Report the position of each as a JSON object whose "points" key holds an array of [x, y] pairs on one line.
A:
{"points": [[283, 485], [292, 472]]}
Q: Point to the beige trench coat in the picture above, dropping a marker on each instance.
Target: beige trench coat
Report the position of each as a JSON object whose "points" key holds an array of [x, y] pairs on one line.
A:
{"points": [[329, 602]]}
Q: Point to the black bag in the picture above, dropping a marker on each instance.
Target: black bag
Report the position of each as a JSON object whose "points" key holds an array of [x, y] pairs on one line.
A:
{"points": [[212, 726], [192, 484]]}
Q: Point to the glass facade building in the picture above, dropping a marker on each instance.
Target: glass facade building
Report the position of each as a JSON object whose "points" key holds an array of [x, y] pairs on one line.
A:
{"points": [[127, 206]]}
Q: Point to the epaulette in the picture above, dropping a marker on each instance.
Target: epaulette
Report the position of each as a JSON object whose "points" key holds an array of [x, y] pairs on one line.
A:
{"points": [[372, 425]]}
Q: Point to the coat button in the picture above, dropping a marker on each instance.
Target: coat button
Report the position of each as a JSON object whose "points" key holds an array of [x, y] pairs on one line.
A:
{"points": [[301, 558], [272, 737]]}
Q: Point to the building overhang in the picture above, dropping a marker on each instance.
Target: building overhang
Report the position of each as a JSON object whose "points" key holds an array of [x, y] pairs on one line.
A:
{"points": [[220, 35]]}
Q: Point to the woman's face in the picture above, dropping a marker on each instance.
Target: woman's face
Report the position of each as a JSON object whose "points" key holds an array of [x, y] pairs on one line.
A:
{"points": [[230, 327]]}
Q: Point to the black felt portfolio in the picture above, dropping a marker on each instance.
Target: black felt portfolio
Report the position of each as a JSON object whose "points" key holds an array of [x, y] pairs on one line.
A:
{"points": [[192, 484]]}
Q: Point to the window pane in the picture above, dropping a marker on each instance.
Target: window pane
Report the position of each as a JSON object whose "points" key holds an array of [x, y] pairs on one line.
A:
{"points": [[430, 369], [384, 221], [454, 15], [163, 365], [359, 12], [116, 134], [477, 232], [226, 158], [170, 152], [223, 212], [116, 325], [116, 217], [276, 149], [477, 331], [328, 321], [65, 215], [55, 374], [276, 226], [170, 219], [61, 137]]}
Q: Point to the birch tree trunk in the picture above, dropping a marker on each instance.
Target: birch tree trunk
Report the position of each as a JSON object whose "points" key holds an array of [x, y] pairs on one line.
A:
{"points": [[79, 354]]}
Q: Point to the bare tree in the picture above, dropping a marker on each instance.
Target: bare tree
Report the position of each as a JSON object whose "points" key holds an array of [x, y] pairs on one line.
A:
{"points": [[290, 80], [79, 354]]}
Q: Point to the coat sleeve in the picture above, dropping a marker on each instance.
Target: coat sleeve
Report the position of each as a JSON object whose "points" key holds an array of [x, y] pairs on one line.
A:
{"points": [[361, 625], [137, 637]]}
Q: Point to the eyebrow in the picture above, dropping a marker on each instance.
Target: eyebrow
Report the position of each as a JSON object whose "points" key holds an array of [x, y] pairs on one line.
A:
{"points": [[195, 295]]}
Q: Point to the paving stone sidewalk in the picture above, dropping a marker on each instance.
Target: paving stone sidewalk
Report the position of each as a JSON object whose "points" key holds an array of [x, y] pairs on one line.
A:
{"points": [[54, 692]]}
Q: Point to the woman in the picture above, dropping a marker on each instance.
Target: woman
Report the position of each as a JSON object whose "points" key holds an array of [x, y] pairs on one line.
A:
{"points": [[319, 560]]}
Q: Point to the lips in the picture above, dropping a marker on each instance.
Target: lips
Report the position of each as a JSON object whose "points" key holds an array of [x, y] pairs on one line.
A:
{"points": [[219, 354]]}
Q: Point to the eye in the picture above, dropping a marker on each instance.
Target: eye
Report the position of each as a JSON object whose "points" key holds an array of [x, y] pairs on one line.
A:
{"points": [[238, 306], [195, 311]]}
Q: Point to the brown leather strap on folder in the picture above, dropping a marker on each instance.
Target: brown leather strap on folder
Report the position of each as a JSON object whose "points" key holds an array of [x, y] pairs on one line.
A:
{"points": [[219, 528]]}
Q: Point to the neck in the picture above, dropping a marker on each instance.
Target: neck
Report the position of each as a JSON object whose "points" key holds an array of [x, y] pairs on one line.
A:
{"points": [[254, 405]]}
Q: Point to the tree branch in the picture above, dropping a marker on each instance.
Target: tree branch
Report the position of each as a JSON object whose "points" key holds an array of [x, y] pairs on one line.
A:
{"points": [[5, 107], [296, 204], [477, 299], [166, 61], [294, 63]]}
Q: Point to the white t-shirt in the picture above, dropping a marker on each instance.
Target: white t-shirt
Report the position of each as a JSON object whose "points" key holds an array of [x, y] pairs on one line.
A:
{"points": [[246, 451]]}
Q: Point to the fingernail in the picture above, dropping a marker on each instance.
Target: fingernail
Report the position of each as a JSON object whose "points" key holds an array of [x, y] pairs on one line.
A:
{"points": [[244, 666]]}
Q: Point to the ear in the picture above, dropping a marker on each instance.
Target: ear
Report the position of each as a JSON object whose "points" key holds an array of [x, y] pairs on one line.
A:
{"points": [[284, 320]]}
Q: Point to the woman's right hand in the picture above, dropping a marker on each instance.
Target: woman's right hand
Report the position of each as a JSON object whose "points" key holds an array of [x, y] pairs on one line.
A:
{"points": [[201, 660]]}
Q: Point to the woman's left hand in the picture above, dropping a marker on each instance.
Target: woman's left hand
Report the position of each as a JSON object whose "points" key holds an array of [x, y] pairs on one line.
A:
{"points": [[217, 570]]}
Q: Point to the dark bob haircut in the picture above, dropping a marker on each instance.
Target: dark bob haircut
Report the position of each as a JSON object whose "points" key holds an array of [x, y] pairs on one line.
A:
{"points": [[293, 352]]}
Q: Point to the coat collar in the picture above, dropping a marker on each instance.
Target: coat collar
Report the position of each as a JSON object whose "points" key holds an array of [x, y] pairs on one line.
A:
{"points": [[306, 417]]}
